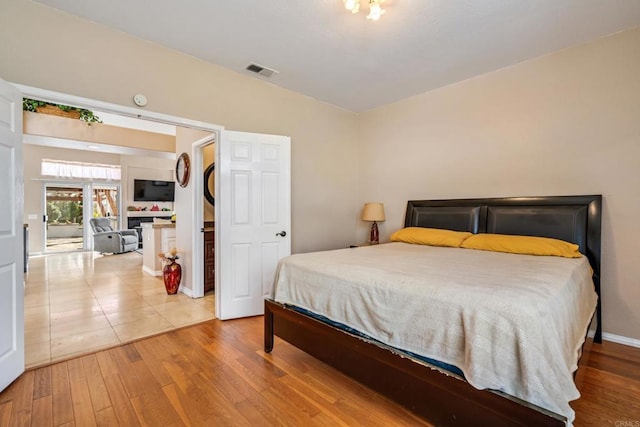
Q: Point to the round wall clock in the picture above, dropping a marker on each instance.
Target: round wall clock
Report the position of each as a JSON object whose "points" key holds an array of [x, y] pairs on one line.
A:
{"points": [[182, 169]]}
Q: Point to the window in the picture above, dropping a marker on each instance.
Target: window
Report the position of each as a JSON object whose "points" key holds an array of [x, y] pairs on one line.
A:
{"points": [[79, 170]]}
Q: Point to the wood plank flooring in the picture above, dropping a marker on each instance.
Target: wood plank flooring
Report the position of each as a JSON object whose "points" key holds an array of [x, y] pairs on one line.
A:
{"points": [[216, 373]]}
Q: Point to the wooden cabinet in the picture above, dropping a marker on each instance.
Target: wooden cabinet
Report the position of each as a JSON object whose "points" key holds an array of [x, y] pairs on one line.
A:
{"points": [[209, 259]]}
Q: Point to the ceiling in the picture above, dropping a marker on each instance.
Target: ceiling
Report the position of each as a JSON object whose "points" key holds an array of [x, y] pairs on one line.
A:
{"points": [[323, 51]]}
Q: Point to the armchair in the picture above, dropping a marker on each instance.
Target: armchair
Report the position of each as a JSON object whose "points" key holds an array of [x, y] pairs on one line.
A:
{"points": [[108, 240]]}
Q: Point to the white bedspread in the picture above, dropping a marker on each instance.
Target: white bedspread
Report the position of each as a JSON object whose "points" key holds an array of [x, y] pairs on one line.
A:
{"points": [[513, 323]]}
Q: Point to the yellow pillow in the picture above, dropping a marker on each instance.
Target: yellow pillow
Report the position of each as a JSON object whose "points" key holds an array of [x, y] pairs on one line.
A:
{"points": [[430, 236], [527, 245]]}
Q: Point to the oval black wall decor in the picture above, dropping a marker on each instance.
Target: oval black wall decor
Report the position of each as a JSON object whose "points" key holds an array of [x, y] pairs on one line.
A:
{"points": [[207, 191]]}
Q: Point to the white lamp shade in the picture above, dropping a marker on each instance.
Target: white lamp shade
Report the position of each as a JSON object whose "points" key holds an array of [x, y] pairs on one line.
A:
{"points": [[373, 212]]}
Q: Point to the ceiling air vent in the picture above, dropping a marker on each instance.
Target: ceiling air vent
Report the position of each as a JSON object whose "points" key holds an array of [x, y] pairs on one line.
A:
{"points": [[259, 69]]}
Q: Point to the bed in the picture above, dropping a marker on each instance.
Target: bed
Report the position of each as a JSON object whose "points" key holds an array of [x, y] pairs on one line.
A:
{"points": [[427, 386]]}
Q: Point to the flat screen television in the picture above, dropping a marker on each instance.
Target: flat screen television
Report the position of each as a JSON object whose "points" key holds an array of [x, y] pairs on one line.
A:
{"points": [[153, 191]]}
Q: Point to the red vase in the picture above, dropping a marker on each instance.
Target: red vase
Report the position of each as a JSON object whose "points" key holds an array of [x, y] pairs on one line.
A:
{"points": [[172, 274]]}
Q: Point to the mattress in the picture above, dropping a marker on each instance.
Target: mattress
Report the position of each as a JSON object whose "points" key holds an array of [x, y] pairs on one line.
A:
{"points": [[513, 323]]}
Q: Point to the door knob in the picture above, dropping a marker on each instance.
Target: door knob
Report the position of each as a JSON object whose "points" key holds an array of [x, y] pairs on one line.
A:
{"points": [[282, 233]]}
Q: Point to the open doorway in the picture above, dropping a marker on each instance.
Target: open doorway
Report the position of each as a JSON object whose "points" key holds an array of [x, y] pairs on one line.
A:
{"points": [[105, 203], [64, 218], [266, 156], [78, 302], [208, 216], [67, 207]]}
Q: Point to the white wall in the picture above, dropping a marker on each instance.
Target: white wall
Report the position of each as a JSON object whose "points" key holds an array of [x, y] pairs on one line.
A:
{"points": [[567, 123]]}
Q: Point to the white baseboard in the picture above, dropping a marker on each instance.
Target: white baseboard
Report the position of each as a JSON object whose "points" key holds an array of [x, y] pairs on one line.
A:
{"points": [[150, 271], [620, 339], [188, 292]]}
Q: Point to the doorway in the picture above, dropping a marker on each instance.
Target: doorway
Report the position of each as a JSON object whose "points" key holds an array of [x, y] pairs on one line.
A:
{"points": [[105, 202], [193, 261], [106, 299], [66, 207], [208, 213], [64, 218]]}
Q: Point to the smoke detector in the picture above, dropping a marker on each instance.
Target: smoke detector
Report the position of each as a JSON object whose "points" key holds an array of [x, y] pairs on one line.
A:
{"points": [[262, 70]]}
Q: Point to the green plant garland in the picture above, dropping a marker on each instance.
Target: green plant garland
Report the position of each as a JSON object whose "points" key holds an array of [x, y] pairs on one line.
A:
{"points": [[29, 104]]}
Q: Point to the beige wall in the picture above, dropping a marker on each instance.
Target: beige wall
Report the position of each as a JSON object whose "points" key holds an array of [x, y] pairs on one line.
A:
{"points": [[140, 167], [186, 230], [34, 184], [68, 54], [567, 123], [66, 128]]}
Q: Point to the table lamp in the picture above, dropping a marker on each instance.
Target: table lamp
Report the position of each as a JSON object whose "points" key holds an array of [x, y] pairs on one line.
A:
{"points": [[373, 212]]}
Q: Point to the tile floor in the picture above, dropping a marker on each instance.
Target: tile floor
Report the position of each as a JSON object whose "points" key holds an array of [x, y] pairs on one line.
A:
{"points": [[81, 302]]}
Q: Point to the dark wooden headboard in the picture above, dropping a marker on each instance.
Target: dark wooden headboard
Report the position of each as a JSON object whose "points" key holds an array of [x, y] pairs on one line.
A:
{"points": [[575, 219]]}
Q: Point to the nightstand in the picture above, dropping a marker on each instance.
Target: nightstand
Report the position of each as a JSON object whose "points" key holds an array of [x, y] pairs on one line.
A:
{"points": [[360, 244]]}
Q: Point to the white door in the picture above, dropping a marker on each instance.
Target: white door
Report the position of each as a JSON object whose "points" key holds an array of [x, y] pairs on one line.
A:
{"points": [[11, 246], [253, 219]]}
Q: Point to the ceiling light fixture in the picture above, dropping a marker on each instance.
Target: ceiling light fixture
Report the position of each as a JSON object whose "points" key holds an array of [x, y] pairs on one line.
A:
{"points": [[375, 8], [352, 5]]}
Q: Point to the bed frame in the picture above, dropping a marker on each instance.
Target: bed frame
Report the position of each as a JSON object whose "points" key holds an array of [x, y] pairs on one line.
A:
{"points": [[438, 396]]}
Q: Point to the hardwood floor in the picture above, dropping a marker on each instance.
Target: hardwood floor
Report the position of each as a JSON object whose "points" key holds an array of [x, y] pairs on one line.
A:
{"points": [[216, 373]]}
